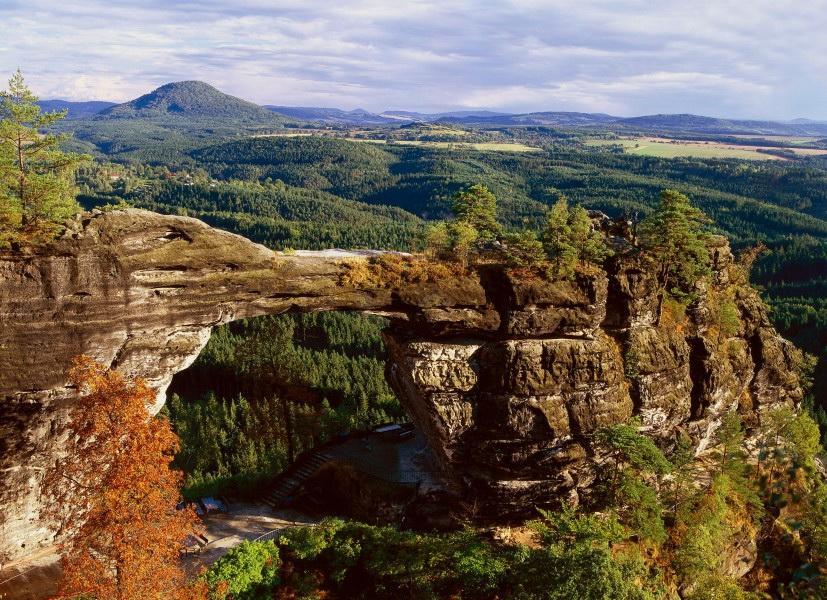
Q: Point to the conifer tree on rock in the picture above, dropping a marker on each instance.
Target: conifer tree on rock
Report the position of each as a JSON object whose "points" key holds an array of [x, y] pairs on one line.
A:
{"points": [[570, 239], [675, 236], [477, 207], [37, 190]]}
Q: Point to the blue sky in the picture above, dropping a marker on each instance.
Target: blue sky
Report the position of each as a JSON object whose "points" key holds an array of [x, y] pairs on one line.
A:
{"points": [[738, 58]]}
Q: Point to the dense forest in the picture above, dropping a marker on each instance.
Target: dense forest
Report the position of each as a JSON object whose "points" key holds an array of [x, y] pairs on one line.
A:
{"points": [[316, 192], [265, 390]]}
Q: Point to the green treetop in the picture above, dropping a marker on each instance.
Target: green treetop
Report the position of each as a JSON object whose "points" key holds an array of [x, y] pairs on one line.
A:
{"points": [[474, 226], [569, 239], [477, 207], [37, 189], [674, 234], [557, 238]]}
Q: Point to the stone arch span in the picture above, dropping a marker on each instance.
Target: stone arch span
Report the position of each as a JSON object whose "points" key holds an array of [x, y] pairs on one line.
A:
{"points": [[506, 377], [141, 292]]}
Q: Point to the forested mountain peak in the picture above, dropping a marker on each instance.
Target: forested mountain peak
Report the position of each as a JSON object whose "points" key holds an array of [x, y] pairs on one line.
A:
{"points": [[189, 99]]}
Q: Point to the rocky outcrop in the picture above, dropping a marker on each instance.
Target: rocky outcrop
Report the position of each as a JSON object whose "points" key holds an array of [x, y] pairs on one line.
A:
{"points": [[507, 376], [512, 416]]}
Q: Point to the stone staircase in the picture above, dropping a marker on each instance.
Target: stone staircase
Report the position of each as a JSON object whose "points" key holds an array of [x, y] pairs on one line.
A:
{"points": [[290, 481]]}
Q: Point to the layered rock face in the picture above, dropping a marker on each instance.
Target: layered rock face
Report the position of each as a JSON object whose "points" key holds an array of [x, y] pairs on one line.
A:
{"points": [[507, 376], [141, 292], [511, 412]]}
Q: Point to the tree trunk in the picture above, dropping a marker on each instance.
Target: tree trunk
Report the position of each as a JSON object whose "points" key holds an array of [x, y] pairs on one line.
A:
{"points": [[21, 165]]}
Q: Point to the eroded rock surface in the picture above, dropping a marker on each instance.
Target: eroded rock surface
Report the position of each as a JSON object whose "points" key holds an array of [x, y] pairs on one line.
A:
{"points": [[508, 378]]}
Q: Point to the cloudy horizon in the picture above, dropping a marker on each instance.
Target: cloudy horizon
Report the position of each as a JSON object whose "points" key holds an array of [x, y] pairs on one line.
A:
{"points": [[725, 58]]}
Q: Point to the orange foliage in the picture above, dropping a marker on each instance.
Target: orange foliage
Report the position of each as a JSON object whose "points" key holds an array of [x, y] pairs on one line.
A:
{"points": [[393, 270], [114, 495]]}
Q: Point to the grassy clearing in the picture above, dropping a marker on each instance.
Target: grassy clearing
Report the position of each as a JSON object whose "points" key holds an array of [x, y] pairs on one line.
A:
{"points": [[666, 148], [286, 135], [787, 139], [663, 149], [437, 130]]}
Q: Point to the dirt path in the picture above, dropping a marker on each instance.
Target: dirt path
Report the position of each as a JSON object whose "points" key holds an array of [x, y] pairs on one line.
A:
{"points": [[33, 578], [243, 521], [36, 577]]}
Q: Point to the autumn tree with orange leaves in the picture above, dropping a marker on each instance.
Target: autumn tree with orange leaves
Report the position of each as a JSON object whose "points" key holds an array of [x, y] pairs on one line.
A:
{"points": [[114, 495]]}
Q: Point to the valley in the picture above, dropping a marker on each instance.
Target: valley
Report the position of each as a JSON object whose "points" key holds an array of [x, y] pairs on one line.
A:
{"points": [[482, 354]]}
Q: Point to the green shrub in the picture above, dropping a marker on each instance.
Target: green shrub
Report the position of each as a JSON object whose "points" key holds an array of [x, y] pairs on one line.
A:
{"points": [[523, 249], [247, 572]]}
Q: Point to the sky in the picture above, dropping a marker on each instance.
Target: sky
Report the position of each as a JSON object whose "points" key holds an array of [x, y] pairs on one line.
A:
{"points": [[733, 58]]}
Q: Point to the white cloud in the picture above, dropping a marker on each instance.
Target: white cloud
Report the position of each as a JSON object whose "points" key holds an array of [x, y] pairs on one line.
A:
{"points": [[765, 59]]}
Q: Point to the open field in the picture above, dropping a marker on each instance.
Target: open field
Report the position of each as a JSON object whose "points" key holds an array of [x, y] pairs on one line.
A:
{"points": [[666, 148], [673, 149], [436, 129], [285, 134]]}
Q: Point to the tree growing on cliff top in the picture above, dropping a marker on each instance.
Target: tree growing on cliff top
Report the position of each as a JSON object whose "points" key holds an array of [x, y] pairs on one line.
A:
{"points": [[37, 190], [114, 495], [675, 236], [570, 239], [477, 207], [474, 226]]}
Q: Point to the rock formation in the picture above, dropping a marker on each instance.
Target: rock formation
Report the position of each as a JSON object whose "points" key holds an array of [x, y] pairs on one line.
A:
{"points": [[507, 376]]}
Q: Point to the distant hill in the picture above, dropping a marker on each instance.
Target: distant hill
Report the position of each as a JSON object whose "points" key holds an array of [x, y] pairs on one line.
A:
{"points": [[701, 124], [408, 115], [802, 121], [77, 110], [337, 116], [711, 125], [198, 105], [665, 123], [334, 116], [559, 118], [189, 99]]}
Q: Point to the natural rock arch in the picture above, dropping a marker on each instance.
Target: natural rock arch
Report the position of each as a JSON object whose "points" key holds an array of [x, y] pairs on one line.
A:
{"points": [[507, 378]]}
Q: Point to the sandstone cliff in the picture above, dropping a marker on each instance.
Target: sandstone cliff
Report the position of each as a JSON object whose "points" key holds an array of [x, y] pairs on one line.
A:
{"points": [[507, 377]]}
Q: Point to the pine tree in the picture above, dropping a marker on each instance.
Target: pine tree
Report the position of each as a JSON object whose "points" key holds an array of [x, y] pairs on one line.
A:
{"points": [[590, 243], [438, 240], [557, 239], [477, 207], [37, 190], [674, 236], [732, 459], [569, 239], [523, 249]]}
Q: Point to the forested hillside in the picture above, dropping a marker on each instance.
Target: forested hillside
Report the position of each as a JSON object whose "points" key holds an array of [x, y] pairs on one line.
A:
{"points": [[316, 192], [265, 390], [191, 100], [743, 199]]}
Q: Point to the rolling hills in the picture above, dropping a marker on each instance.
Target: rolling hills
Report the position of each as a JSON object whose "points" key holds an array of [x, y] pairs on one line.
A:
{"points": [[199, 101]]}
